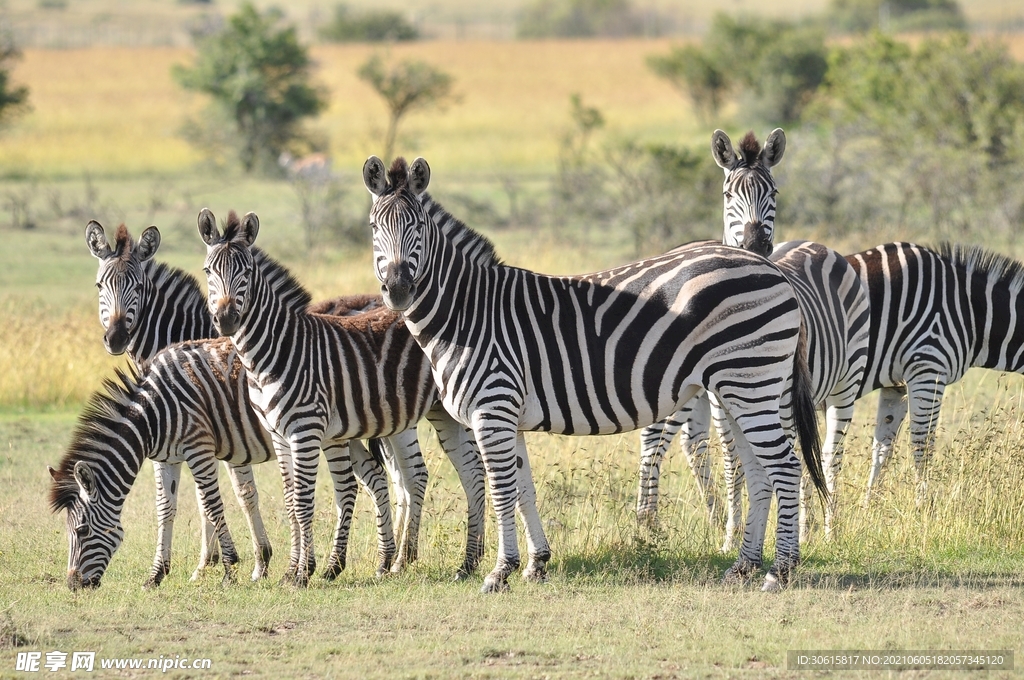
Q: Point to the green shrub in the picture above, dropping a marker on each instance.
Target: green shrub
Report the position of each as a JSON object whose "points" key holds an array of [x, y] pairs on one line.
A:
{"points": [[370, 26]]}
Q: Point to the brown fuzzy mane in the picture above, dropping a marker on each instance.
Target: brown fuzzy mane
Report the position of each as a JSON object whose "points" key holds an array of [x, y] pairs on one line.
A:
{"points": [[123, 243], [232, 226], [398, 175], [750, 149]]}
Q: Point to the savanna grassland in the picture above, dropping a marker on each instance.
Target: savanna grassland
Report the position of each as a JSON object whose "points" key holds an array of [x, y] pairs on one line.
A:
{"points": [[101, 143]]}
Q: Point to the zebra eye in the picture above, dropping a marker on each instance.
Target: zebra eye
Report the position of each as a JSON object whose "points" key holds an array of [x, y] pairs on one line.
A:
{"points": [[82, 530], [206, 270], [774, 192], [728, 195]]}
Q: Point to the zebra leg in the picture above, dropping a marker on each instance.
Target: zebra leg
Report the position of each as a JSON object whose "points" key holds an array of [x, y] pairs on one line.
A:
{"points": [[283, 453], [838, 416], [460, 447], [339, 464], [305, 461], [759, 492], [892, 409], [693, 439], [925, 403], [733, 473], [369, 473], [526, 502], [167, 477], [654, 442], [408, 458], [496, 435], [385, 456], [204, 471], [244, 484]]}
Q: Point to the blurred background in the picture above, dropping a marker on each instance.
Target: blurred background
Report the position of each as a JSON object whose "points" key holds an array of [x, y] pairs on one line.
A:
{"points": [[575, 133]]}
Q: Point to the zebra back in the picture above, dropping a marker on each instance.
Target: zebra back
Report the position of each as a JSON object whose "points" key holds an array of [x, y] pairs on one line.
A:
{"points": [[948, 309]]}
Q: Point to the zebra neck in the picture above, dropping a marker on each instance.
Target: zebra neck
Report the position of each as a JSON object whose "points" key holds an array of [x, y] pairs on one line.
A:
{"points": [[447, 290], [267, 328], [174, 310], [998, 320]]}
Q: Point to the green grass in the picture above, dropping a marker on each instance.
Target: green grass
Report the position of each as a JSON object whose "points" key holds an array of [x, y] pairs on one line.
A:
{"points": [[620, 602]]}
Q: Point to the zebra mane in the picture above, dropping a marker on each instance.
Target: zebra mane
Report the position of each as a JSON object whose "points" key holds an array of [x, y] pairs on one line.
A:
{"points": [[286, 287], [981, 260], [474, 245], [124, 244], [105, 405], [750, 149], [231, 227], [172, 279], [398, 175]]}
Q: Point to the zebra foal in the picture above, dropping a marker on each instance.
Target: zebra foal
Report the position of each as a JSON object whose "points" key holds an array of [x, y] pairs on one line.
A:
{"points": [[315, 378], [512, 350]]}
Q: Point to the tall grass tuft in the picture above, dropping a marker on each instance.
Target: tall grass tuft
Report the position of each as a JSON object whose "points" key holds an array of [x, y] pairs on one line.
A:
{"points": [[50, 358]]}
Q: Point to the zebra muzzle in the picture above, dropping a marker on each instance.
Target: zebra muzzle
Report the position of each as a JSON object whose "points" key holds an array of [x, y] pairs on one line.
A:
{"points": [[227, 319], [398, 286], [115, 338]]}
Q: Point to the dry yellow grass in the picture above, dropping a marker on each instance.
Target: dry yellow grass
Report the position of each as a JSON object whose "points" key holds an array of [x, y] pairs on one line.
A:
{"points": [[116, 111]]}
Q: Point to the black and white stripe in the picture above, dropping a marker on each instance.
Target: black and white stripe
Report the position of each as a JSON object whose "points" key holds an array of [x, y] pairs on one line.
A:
{"points": [[934, 314], [188, 405], [512, 350], [144, 307], [834, 305], [314, 378]]}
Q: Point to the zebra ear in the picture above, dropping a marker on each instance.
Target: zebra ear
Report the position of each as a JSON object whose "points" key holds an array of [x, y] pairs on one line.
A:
{"points": [[97, 240], [373, 176], [721, 150], [250, 227], [86, 479], [773, 149], [208, 227], [54, 475], [419, 176], [148, 243]]}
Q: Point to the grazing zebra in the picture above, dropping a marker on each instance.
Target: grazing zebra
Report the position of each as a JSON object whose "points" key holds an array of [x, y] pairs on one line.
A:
{"points": [[314, 378], [934, 314], [188, 404], [834, 304], [512, 350], [144, 307]]}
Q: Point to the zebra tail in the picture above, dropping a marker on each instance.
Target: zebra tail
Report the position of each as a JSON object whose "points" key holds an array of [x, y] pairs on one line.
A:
{"points": [[805, 416], [376, 447]]}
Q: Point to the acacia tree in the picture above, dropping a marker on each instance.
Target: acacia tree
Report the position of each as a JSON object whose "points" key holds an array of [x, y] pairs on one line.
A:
{"points": [[406, 86], [259, 77]]}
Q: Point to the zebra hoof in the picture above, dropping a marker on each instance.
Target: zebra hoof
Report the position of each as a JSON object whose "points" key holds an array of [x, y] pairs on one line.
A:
{"points": [[739, 574], [494, 584], [647, 519], [333, 569], [536, 573], [772, 584], [151, 584]]}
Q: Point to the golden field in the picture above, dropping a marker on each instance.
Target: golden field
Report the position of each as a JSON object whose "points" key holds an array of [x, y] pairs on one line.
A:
{"points": [[116, 111]]}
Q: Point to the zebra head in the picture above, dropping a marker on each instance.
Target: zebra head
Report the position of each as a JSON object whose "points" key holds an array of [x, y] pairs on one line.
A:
{"points": [[397, 220], [229, 266], [93, 523], [121, 281], [749, 189]]}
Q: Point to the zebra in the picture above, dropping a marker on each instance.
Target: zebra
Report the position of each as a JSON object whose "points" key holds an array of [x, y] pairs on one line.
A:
{"points": [[188, 403], [934, 314], [512, 350], [315, 378], [144, 307], [834, 303]]}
